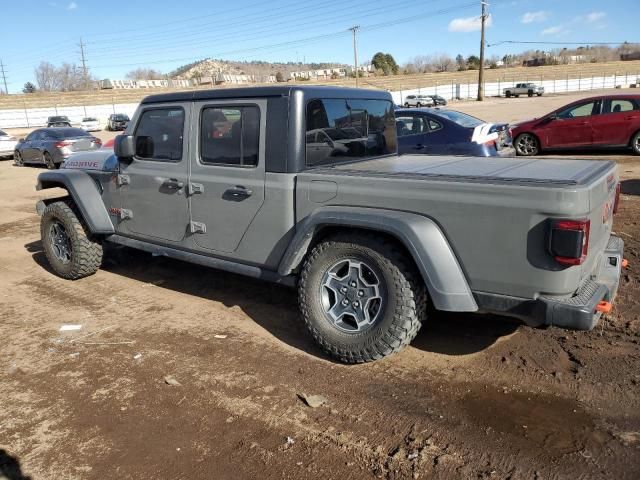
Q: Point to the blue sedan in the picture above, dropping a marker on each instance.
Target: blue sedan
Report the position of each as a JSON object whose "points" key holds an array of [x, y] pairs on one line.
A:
{"points": [[433, 131]]}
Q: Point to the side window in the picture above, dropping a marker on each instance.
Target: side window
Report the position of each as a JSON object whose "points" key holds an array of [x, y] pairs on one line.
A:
{"points": [[230, 136], [32, 136], [582, 110], [619, 105], [410, 125], [158, 135], [434, 125]]}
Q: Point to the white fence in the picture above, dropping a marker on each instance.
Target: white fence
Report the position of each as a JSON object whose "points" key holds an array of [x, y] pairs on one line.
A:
{"points": [[36, 117]]}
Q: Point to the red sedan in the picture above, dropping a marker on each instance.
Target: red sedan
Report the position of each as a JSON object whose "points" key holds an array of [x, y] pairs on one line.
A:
{"points": [[597, 122]]}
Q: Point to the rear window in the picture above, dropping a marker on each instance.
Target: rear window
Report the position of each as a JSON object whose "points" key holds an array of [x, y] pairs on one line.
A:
{"points": [[89, 119], [67, 133], [460, 118], [340, 130], [58, 119]]}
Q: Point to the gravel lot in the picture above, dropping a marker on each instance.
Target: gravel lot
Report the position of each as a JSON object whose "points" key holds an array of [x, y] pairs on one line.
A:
{"points": [[473, 397]]}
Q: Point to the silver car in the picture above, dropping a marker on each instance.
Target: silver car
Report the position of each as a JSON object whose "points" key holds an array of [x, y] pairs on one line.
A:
{"points": [[7, 144], [418, 101]]}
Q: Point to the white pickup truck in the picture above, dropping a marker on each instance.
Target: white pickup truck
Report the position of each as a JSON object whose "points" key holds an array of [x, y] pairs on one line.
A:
{"points": [[530, 89]]}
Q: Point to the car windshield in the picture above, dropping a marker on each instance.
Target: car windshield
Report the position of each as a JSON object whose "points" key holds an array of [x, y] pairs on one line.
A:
{"points": [[58, 119], [60, 133], [89, 119], [121, 118], [460, 118]]}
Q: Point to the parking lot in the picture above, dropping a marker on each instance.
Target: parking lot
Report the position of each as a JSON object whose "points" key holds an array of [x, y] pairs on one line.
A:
{"points": [[179, 371]]}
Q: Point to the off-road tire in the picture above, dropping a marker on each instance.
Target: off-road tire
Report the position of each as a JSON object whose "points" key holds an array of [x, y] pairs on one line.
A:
{"points": [[507, 94], [530, 93], [403, 310], [86, 251], [48, 161], [635, 143], [17, 159]]}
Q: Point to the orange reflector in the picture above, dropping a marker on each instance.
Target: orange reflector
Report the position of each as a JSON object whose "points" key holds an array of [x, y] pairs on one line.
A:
{"points": [[625, 263], [604, 307]]}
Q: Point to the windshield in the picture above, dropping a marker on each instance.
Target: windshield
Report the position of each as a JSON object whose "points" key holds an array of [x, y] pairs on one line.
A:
{"points": [[58, 119], [121, 118], [460, 118], [89, 119]]}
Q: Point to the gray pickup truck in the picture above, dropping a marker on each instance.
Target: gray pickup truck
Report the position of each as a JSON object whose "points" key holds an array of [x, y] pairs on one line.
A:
{"points": [[529, 89], [240, 180]]}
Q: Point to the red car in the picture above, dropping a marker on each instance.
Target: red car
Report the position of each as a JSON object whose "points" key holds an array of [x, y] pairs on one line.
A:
{"points": [[597, 122]]}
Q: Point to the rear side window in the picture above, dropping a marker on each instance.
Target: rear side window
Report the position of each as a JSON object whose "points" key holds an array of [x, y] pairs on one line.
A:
{"points": [[434, 125], [411, 125], [349, 129], [230, 136], [159, 134], [618, 106]]}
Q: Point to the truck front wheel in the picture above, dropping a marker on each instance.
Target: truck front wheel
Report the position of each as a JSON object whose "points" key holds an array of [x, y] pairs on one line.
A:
{"points": [[361, 298], [68, 245]]}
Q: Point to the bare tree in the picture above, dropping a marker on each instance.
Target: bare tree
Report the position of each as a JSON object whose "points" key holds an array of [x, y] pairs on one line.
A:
{"points": [[46, 77], [144, 74]]}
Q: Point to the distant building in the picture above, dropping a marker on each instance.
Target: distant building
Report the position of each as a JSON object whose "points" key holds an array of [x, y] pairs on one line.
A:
{"points": [[630, 56], [327, 73], [108, 84]]}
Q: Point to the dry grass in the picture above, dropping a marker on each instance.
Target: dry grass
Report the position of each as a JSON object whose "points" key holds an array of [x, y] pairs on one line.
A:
{"points": [[399, 82]]}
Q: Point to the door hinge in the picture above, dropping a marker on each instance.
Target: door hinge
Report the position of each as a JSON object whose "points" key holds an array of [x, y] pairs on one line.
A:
{"points": [[197, 227], [125, 213], [194, 188], [123, 180]]}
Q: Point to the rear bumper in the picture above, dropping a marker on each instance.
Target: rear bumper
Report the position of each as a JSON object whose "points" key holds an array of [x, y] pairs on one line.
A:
{"points": [[577, 311]]}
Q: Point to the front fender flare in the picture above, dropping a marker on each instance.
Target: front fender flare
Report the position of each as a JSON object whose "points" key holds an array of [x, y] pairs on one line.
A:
{"points": [[84, 192], [440, 269]]}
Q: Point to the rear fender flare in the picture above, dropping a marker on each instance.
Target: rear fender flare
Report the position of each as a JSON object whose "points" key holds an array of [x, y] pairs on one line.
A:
{"points": [[84, 192], [421, 236]]}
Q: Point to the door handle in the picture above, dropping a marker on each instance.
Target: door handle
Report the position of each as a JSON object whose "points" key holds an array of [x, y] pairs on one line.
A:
{"points": [[173, 184], [238, 192]]}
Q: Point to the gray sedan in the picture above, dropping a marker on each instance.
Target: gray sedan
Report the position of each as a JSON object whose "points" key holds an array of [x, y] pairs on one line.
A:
{"points": [[52, 146]]}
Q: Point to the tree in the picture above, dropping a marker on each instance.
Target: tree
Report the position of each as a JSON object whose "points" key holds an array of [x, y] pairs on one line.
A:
{"points": [[144, 74], [473, 62], [391, 62], [29, 88], [279, 77], [46, 77], [385, 63], [462, 65]]}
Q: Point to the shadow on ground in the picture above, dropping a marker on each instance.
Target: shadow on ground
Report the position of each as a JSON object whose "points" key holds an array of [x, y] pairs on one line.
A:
{"points": [[630, 187], [274, 307], [10, 467]]}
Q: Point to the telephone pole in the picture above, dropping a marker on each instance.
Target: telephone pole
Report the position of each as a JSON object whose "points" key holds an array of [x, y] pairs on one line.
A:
{"points": [[85, 75], [481, 69], [4, 77], [354, 29]]}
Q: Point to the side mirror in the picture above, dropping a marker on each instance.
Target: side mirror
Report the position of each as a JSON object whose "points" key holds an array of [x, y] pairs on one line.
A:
{"points": [[123, 146], [21, 140], [552, 117]]}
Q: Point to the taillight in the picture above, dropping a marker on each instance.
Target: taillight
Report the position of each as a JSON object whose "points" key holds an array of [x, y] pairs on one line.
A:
{"points": [[616, 202], [569, 241], [64, 143], [97, 141]]}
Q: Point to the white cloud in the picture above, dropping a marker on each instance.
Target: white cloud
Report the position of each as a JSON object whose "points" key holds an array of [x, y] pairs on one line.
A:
{"points": [[557, 30], [531, 17], [469, 24], [72, 6], [595, 16]]}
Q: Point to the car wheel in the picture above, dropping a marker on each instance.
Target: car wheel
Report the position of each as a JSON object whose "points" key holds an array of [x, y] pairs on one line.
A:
{"points": [[418, 104], [527, 145], [539, 94], [406, 104], [517, 95], [18, 161], [360, 298], [635, 143], [68, 245], [508, 94], [48, 161], [530, 93]]}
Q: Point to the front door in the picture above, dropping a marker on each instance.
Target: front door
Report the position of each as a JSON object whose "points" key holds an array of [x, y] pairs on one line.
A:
{"points": [[152, 185], [573, 126], [227, 171]]}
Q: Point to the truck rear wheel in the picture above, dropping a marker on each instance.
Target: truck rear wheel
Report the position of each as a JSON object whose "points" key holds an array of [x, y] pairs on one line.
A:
{"points": [[68, 245], [507, 94], [530, 93], [361, 298]]}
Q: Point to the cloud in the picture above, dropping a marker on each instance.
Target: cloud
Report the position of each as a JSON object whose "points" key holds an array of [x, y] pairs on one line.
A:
{"points": [[556, 30], [531, 17], [72, 6], [595, 16], [469, 24]]}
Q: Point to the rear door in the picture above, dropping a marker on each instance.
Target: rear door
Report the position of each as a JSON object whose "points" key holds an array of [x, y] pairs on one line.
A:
{"points": [[573, 126], [227, 180], [617, 123], [413, 131], [154, 203]]}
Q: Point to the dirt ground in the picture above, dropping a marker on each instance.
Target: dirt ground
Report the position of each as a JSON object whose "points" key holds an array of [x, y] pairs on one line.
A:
{"points": [[472, 397]]}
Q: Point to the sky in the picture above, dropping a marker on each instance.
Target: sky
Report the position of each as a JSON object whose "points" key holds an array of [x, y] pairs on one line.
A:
{"points": [[163, 34]]}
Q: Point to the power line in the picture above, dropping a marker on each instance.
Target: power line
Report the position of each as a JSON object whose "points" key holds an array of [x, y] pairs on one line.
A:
{"points": [[501, 42], [85, 75]]}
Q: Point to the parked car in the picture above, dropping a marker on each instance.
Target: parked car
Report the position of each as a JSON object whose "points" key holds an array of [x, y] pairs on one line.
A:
{"points": [[51, 146], [58, 121], [90, 124], [529, 89], [369, 238], [609, 121], [418, 101], [7, 144], [438, 100], [117, 121], [435, 131]]}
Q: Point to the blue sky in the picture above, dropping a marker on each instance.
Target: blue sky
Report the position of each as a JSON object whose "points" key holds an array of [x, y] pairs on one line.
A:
{"points": [[162, 34]]}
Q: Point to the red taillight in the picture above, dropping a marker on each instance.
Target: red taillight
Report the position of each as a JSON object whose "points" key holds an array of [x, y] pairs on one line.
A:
{"points": [[64, 143], [616, 202], [569, 242], [97, 141]]}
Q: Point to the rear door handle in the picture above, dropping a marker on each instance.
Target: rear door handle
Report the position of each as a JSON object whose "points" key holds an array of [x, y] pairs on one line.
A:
{"points": [[238, 192], [173, 184]]}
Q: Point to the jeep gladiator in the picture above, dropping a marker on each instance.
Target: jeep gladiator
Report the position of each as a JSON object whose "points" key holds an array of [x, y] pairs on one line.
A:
{"points": [[241, 180]]}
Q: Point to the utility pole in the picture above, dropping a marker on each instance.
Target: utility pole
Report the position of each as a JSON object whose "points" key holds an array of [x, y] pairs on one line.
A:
{"points": [[481, 69], [85, 76], [4, 77], [354, 29]]}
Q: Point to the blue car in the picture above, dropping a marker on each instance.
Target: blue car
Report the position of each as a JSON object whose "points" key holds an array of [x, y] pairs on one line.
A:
{"points": [[434, 131]]}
